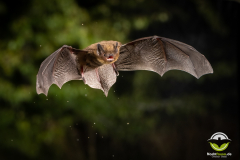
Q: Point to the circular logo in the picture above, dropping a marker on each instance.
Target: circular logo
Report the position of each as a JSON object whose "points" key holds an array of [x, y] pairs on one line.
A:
{"points": [[219, 141]]}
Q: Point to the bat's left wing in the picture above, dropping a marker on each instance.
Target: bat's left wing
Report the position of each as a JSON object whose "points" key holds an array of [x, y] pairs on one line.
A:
{"points": [[160, 55]]}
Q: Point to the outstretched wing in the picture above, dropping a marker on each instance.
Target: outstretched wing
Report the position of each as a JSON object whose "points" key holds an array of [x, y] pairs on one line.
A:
{"points": [[160, 55], [59, 68]]}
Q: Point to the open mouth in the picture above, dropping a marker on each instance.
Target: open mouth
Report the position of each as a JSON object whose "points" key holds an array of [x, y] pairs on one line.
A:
{"points": [[110, 58]]}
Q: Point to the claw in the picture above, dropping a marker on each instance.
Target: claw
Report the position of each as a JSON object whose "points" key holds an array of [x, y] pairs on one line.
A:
{"points": [[84, 81], [82, 73]]}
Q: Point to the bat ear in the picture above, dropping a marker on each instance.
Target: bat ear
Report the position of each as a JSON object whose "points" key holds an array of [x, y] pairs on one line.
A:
{"points": [[99, 49], [116, 47]]}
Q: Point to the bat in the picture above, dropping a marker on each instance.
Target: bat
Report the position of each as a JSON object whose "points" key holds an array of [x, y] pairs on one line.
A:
{"points": [[98, 64], [219, 141]]}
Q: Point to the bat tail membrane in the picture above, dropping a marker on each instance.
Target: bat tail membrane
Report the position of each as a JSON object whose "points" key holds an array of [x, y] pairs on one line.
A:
{"points": [[160, 55], [101, 78], [59, 68]]}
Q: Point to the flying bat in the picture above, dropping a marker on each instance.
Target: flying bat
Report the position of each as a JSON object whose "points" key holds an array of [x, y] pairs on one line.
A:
{"points": [[98, 64], [219, 141]]}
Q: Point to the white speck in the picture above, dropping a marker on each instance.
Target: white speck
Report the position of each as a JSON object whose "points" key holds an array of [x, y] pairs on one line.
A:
{"points": [[113, 155], [102, 136], [87, 137], [127, 123], [40, 45], [96, 133], [69, 126], [118, 98], [56, 95], [46, 99], [67, 101], [85, 94], [85, 88], [82, 24], [77, 139], [94, 123], [114, 91], [33, 102], [11, 139]]}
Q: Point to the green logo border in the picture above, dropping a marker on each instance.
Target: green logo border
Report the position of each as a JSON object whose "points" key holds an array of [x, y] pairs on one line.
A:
{"points": [[221, 148]]}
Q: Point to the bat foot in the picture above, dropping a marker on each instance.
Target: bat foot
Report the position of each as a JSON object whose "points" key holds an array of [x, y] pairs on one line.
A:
{"points": [[116, 72], [84, 81], [115, 69], [82, 75]]}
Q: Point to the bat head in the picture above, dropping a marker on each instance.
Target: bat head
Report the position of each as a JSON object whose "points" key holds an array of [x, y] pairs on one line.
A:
{"points": [[110, 52]]}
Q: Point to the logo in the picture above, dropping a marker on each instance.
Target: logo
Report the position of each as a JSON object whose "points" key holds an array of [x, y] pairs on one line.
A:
{"points": [[219, 142]]}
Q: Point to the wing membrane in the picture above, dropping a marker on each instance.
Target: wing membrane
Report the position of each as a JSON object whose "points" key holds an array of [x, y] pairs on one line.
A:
{"points": [[160, 55], [59, 68]]}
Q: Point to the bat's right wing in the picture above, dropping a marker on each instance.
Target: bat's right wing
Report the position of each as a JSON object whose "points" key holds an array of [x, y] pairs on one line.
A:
{"points": [[160, 55], [59, 68]]}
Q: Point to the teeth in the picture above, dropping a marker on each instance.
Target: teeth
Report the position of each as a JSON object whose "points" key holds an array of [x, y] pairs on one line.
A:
{"points": [[109, 59]]}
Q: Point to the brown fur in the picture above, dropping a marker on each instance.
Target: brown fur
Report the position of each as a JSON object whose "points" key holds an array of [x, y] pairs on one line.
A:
{"points": [[92, 59]]}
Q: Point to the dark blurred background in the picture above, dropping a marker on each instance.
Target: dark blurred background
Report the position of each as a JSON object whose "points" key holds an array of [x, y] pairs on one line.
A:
{"points": [[145, 116]]}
